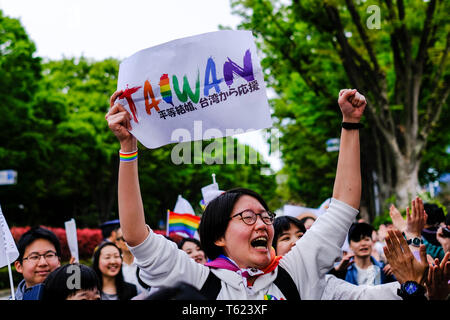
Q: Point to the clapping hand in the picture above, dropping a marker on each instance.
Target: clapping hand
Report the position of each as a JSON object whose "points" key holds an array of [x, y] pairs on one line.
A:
{"points": [[404, 265], [437, 283]]}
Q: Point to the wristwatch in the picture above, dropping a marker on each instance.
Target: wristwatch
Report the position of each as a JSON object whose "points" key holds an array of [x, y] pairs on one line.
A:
{"points": [[411, 290], [416, 242]]}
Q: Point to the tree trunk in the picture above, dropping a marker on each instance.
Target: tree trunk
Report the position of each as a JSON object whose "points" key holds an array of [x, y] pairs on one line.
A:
{"points": [[407, 182]]}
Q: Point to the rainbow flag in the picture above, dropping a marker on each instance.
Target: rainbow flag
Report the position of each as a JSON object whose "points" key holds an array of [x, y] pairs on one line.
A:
{"points": [[184, 223]]}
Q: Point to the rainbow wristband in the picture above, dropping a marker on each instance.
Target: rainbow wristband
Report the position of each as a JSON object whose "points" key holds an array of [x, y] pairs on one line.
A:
{"points": [[128, 156]]}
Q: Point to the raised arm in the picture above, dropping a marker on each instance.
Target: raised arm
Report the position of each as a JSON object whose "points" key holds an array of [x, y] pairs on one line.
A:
{"points": [[347, 185], [131, 209]]}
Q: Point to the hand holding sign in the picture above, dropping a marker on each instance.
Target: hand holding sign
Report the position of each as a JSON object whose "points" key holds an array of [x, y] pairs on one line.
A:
{"points": [[119, 121]]}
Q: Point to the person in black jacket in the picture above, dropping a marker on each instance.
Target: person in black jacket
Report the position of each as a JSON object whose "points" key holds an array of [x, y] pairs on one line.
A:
{"points": [[107, 263], [71, 282]]}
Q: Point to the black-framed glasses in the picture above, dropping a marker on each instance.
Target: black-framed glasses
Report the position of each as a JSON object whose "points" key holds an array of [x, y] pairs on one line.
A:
{"points": [[249, 217], [34, 257]]}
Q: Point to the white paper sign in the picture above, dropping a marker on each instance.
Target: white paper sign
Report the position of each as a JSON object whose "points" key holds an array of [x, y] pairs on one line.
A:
{"points": [[72, 241], [8, 248], [213, 80]]}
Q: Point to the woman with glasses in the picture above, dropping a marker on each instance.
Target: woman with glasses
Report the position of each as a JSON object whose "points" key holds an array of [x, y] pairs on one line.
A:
{"points": [[236, 229]]}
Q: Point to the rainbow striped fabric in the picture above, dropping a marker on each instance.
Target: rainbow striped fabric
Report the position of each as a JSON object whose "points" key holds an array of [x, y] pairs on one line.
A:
{"points": [[128, 156], [184, 223]]}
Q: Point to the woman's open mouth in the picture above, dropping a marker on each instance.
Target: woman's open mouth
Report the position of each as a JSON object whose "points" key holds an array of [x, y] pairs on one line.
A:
{"points": [[259, 243]]}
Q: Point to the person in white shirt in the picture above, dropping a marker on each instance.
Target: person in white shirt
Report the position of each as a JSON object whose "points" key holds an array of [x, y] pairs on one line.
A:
{"points": [[236, 229]]}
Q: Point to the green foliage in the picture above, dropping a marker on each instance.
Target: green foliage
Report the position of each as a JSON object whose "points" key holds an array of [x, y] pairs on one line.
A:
{"points": [[23, 146], [312, 49]]}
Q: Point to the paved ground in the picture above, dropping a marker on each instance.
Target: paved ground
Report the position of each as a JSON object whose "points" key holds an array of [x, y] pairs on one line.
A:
{"points": [[5, 294]]}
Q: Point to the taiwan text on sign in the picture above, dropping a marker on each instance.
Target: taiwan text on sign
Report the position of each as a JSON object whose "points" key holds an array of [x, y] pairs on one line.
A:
{"points": [[215, 78]]}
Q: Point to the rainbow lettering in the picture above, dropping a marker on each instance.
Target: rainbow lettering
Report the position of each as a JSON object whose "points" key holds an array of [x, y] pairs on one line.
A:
{"points": [[183, 95], [211, 81], [164, 85]]}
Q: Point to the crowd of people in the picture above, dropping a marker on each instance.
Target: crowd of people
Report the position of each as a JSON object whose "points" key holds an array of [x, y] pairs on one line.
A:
{"points": [[244, 251]]}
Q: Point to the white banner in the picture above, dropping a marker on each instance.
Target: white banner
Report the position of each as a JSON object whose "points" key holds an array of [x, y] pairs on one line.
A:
{"points": [[72, 240], [214, 80]]}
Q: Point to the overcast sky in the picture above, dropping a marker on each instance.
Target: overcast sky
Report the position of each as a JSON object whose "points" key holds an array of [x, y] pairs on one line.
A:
{"points": [[100, 29]]}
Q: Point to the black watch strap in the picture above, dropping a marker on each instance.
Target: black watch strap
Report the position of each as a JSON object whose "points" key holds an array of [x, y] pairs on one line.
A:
{"points": [[352, 125], [411, 290]]}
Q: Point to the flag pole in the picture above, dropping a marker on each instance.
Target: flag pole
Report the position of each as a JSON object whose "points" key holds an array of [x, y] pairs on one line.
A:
{"points": [[214, 177], [167, 224], [11, 283]]}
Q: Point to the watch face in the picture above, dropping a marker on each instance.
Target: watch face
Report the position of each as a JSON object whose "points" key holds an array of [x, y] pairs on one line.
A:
{"points": [[416, 241], [410, 287]]}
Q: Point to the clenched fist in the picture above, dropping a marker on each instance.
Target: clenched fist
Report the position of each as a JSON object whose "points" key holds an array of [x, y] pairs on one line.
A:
{"points": [[352, 105]]}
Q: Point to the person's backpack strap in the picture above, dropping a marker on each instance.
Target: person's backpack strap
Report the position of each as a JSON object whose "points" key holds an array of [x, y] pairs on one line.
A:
{"points": [[211, 287], [286, 285], [141, 283]]}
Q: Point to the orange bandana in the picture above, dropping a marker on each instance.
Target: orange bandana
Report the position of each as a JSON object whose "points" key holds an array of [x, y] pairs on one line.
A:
{"points": [[274, 261]]}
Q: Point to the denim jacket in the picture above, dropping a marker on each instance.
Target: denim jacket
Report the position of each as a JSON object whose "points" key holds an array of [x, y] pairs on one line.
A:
{"points": [[31, 293], [352, 273]]}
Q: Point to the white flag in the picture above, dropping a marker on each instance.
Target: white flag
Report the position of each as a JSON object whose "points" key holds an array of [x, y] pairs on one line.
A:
{"points": [[72, 241], [183, 206], [8, 248], [210, 192]]}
